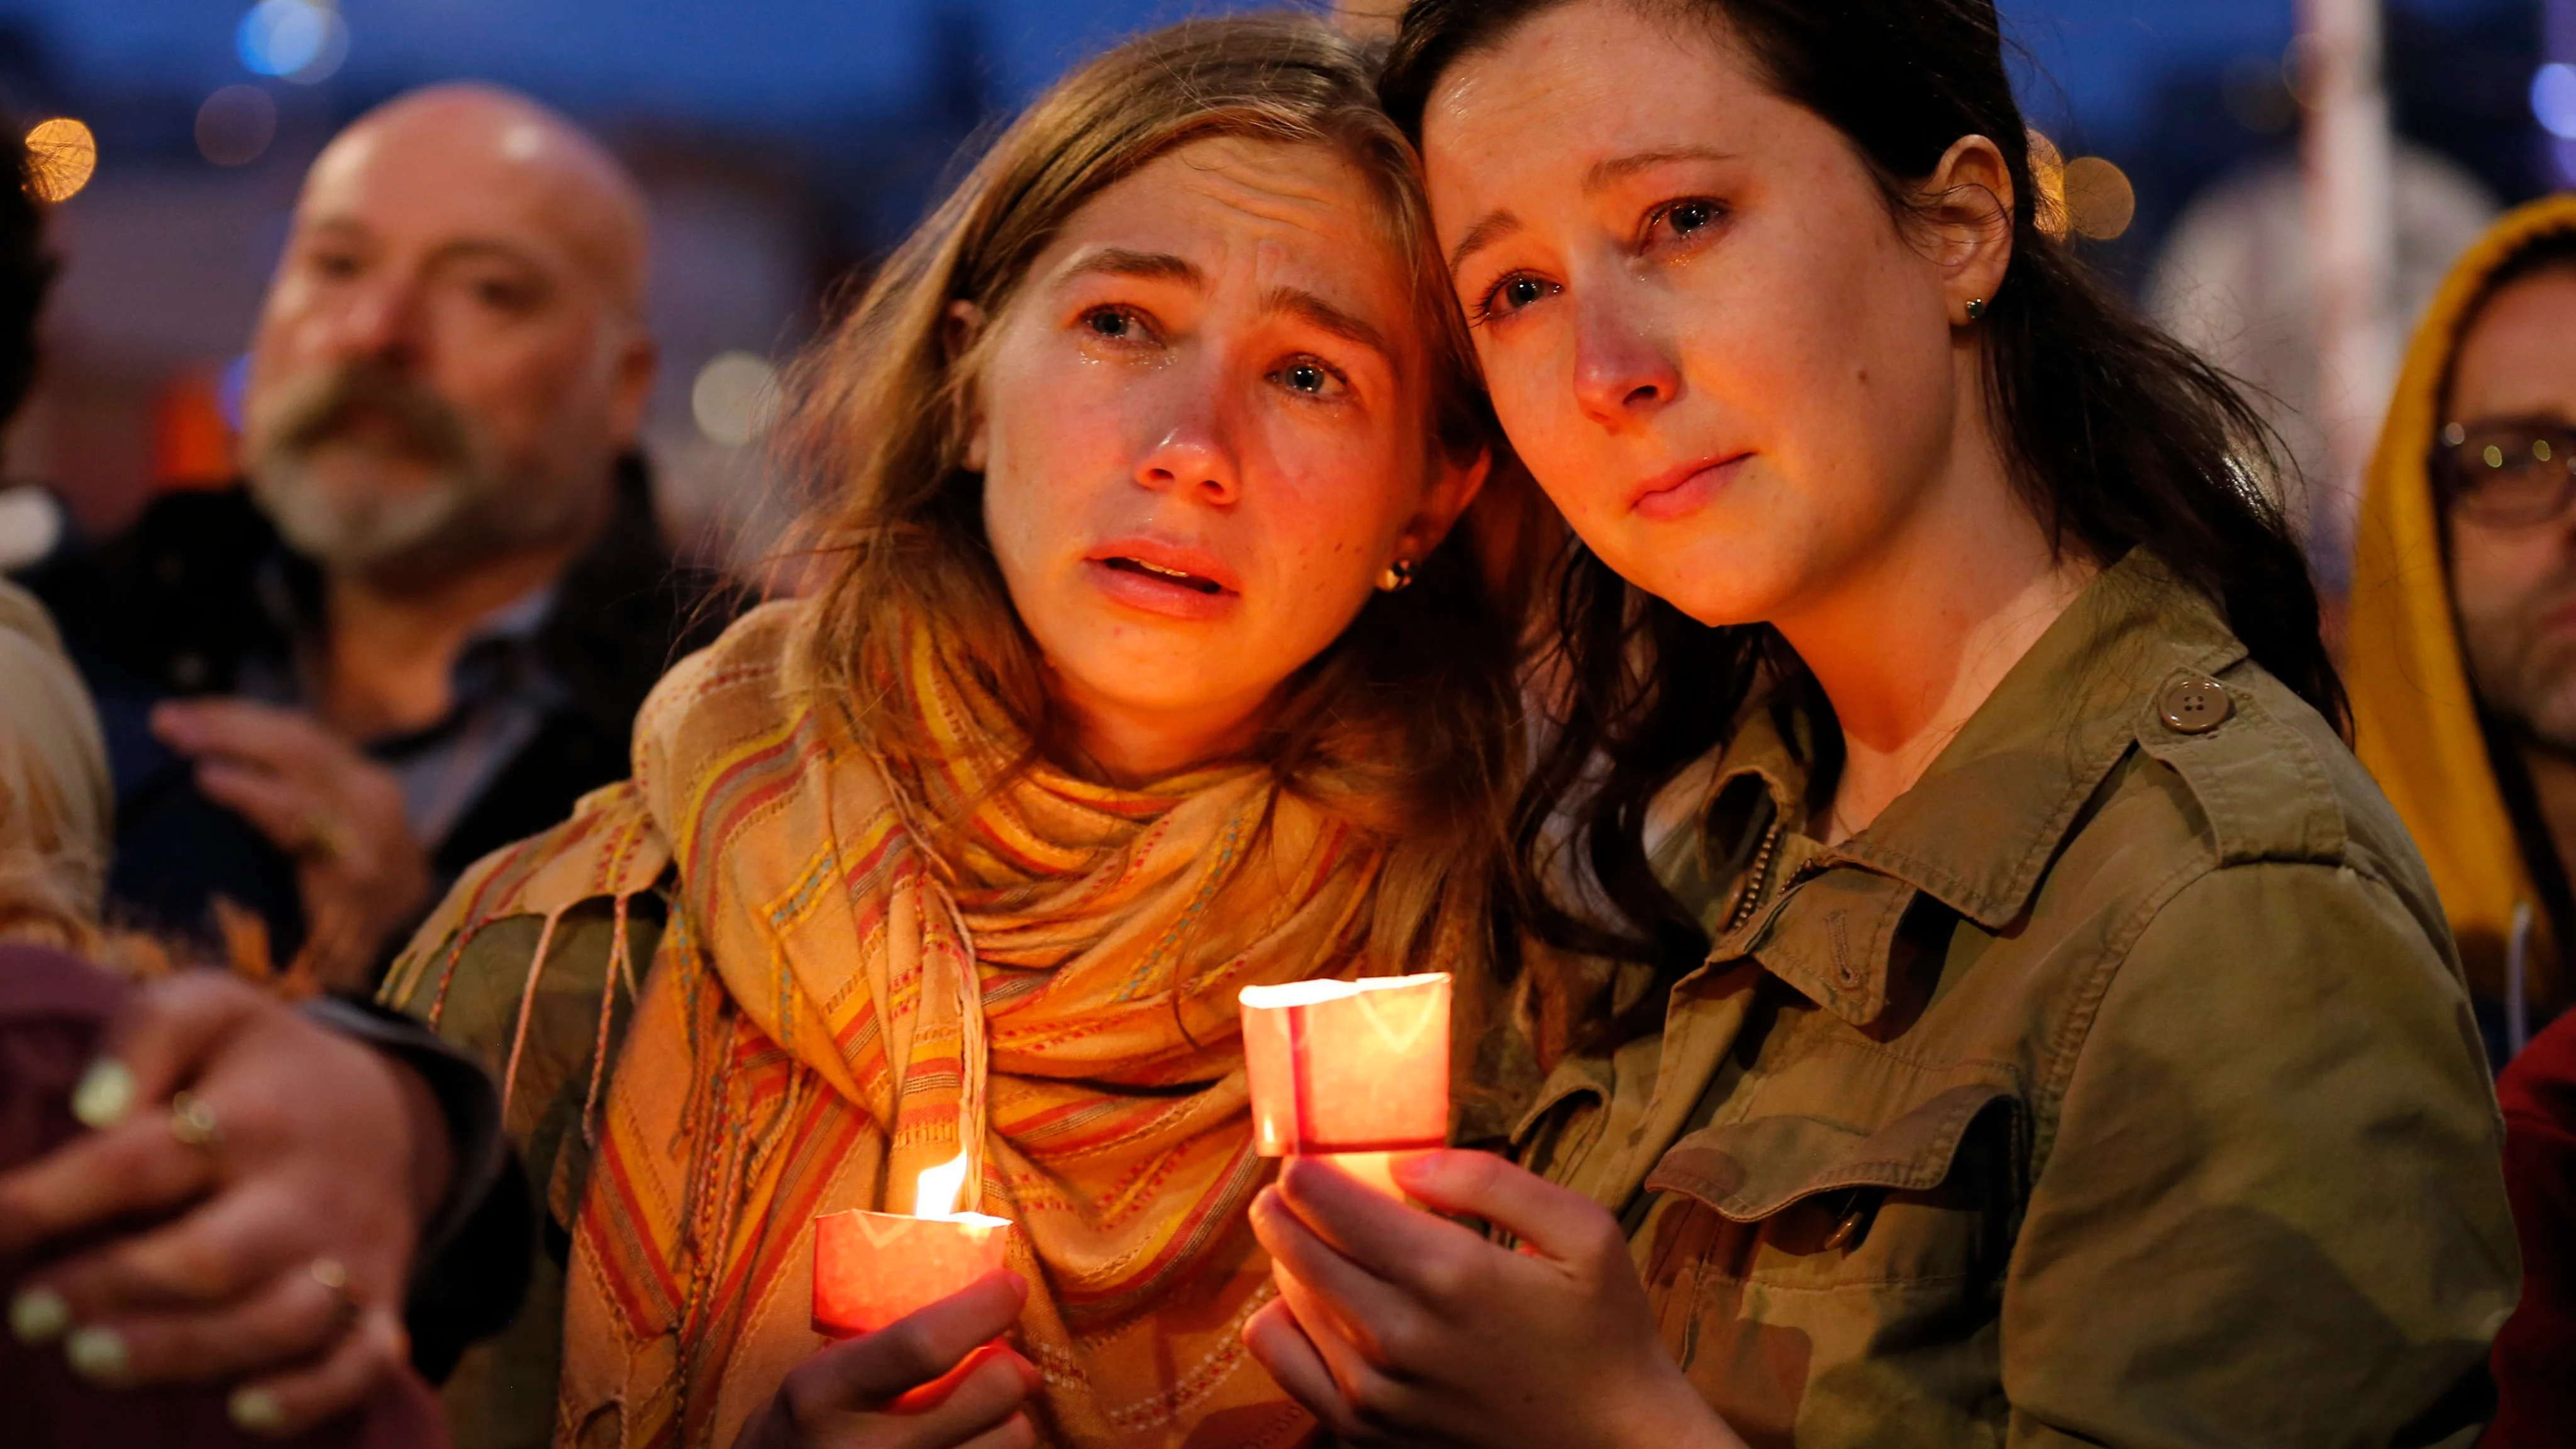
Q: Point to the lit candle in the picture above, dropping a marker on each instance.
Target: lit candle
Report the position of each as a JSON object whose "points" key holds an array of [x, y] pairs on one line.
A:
{"points": [[873, 1268], [1356, 1070]]}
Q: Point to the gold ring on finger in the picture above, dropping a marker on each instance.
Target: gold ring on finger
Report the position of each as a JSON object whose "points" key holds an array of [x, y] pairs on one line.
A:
{"points": [[331, 1273], [322, 839], [193, 1122]]}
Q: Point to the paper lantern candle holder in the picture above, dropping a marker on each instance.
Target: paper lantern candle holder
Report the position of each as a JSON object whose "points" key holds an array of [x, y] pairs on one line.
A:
{"points": [[873, 1268], [1355, 1069]]}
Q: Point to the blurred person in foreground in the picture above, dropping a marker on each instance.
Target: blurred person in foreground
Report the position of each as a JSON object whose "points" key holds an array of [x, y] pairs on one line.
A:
{"points": [[422, 626], [208, 1200], [317, 1365], [2463, 673]]}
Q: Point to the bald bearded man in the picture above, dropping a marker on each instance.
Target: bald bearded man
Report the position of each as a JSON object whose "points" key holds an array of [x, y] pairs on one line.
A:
{"points": [[423, 625]]}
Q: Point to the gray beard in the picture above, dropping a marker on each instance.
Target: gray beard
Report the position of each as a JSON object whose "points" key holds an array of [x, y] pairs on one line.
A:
{"points": [[419, 537], [461, 509], [358, 530]]}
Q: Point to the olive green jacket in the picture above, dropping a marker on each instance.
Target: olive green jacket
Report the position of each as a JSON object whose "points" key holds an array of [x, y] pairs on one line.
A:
{"points": [[2116, 1086], [503, 1393]]}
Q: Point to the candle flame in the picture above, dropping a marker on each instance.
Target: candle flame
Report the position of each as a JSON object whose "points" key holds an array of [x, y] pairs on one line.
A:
{"points": [[935, 1194]]}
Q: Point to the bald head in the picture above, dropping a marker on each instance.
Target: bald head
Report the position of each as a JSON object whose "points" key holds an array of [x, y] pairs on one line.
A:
{"points": [[452, 354], [496, 153]]}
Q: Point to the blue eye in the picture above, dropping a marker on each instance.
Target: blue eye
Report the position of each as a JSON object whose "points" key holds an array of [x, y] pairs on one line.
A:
{"points": [[1310, 376]]}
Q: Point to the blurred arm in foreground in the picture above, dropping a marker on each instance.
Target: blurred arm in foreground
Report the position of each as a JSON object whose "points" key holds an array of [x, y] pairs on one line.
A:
{"points": [[266, 1171], [247, 1202]]}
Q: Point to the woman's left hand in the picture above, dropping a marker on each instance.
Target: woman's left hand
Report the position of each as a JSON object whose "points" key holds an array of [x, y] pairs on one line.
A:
{"points": [[1397, 1327]]}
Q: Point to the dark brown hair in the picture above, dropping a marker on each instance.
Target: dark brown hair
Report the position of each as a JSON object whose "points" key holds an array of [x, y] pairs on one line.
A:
{"points": [[2116, 435], [26, 274]]}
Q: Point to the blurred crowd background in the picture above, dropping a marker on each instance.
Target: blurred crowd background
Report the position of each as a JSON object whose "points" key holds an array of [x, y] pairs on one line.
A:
{"points": [[786, 143]]}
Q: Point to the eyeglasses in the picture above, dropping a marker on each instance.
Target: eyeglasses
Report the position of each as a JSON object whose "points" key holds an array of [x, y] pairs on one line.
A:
{"points": [[2507, 475]]}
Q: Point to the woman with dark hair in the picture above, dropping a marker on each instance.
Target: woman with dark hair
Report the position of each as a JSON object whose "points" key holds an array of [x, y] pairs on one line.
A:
{"points": [[2034, 1025]]}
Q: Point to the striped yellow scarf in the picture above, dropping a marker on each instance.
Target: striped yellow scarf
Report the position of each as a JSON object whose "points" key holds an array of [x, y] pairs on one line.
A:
{"points": [[841, 988]]}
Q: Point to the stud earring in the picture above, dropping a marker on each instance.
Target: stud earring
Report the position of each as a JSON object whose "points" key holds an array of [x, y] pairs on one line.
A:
{"points": [[1397, 577], [1976, 309]]}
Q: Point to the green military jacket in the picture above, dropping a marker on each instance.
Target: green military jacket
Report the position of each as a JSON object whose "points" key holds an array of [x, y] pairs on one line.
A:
{"points": [[2116, 1086], [503, 1392]]}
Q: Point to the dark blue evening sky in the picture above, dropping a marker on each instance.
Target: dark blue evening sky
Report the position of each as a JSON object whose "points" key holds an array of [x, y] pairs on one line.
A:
{"points": [[786, 61]]}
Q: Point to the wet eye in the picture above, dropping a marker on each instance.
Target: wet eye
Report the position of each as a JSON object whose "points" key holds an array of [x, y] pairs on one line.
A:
{"points": [[1511, 294], [1308, 376], [1684, 223], [1115, 323], [1690, 216]]}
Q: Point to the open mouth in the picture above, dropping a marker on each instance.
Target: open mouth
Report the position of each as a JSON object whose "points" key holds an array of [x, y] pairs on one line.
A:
{"points": [[1163, 575]]}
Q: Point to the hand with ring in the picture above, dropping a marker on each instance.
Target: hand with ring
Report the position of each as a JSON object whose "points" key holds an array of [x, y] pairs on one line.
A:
{"points": [[301, 1166], [320, 799]]}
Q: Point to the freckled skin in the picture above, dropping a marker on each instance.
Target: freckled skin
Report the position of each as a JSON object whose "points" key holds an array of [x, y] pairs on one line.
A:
{"points": [[1795, 324], [1212, 422], [2516, 587]]}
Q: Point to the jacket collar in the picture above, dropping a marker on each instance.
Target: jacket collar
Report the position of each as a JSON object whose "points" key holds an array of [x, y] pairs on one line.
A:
{"points": [[1978, 831]]}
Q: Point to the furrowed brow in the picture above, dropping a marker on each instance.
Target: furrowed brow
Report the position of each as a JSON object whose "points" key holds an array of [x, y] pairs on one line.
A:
{"points": [[1148, 266], [1316, 312]]}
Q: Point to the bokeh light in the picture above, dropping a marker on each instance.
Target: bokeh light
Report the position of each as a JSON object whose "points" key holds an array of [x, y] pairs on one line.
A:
{"points": [[235, 125], [2553, 99], [62, 155], [297, 40], [31, 525], [2048, 178], [2100, 202], [731, 397], [231, 386]]}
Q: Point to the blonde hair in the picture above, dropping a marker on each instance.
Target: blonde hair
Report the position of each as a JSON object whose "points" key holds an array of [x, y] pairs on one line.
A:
{"points": [[56, 808], [1405, 724], [49, 883]]}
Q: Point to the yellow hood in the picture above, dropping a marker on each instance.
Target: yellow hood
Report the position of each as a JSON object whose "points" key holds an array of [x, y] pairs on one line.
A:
{"points": [[2414, 719]]}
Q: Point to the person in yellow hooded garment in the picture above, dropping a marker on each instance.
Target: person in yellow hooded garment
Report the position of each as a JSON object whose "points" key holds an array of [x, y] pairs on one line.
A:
{"points": [[1145, 665], [2462, 654], [2464, 694]]}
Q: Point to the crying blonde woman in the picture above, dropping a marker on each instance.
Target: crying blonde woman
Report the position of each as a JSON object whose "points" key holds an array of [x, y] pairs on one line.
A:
{"points": [[1165, 649]]}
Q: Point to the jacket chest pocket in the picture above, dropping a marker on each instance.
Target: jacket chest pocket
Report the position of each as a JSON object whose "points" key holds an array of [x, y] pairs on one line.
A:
{"points": [[1804, 1201]]}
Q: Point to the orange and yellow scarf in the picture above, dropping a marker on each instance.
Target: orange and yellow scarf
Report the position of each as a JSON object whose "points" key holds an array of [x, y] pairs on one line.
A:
{"points": [[867, 969]]}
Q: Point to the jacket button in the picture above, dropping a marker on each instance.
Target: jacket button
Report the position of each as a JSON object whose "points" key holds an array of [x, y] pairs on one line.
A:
{"points": [[2195, 706]]}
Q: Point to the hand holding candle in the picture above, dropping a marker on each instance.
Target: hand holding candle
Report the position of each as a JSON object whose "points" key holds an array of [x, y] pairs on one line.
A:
{"points": [[873, 1268], [1398, 1327], [935, 1380], [1354, 1070]]}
